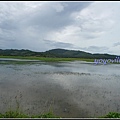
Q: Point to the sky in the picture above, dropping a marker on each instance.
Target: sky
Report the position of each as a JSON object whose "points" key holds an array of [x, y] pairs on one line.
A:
{"points": [[92, 27]]}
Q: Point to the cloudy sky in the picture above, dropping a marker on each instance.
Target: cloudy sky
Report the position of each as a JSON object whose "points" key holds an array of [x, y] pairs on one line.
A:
{"points": [[39, 26]]}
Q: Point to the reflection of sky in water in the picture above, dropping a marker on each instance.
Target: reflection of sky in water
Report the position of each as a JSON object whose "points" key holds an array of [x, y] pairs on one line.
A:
{"points": [[77, 66], [82, 68], [13, 59]]}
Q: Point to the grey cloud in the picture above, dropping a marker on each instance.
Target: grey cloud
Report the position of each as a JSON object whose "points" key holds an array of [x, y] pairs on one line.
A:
{"points": [[41, 20], [9, 24], [89, 36], [47, 17], [58, 44], [74, 6], [116, 44], [95, 48], [24, 26], [7, 35]]}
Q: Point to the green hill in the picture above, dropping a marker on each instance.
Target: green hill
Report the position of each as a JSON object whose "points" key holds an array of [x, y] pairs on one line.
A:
{"points": [[77, 54], [57, 53]]}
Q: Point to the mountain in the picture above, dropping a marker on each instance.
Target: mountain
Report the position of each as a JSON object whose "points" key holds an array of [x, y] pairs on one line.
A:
{"points": [[69, 53], [78, 54], [55, 53], [15, 52]]}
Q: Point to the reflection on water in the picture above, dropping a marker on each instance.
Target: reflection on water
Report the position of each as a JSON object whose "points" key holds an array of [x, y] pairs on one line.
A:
{"points": [[70, 89], [13, 59]]}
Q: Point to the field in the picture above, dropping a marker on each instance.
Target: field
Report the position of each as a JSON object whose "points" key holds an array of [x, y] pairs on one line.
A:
{"points": [[47, 59]]}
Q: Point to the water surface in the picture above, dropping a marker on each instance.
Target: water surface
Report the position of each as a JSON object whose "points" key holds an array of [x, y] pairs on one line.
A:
{"points": [[70, 89]]}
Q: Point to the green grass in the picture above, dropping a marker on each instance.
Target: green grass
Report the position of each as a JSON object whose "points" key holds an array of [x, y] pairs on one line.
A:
{"points": [[17, 114], [47, 59], [112, 115]]}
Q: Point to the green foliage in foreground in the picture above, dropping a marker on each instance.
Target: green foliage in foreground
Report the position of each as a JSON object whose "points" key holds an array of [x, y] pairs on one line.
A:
{"points": [[17, 114], [112, 115]]}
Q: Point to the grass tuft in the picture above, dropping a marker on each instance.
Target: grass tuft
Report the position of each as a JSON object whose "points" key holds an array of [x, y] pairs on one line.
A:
{"points": [[112, 115]]}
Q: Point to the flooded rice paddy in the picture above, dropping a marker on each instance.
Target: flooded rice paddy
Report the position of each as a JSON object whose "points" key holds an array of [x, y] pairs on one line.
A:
{"points": [[70, 89]]}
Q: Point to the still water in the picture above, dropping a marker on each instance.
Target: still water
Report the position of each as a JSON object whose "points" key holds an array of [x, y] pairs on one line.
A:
{"points": [[70, 89]]}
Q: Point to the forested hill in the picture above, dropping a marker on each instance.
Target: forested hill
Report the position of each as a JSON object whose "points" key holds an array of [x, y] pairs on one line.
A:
{"points": [[61, 53], [78, 54]]}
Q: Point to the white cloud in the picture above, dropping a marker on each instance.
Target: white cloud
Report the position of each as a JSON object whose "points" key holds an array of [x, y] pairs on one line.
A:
{"points": [[77, 24]]}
